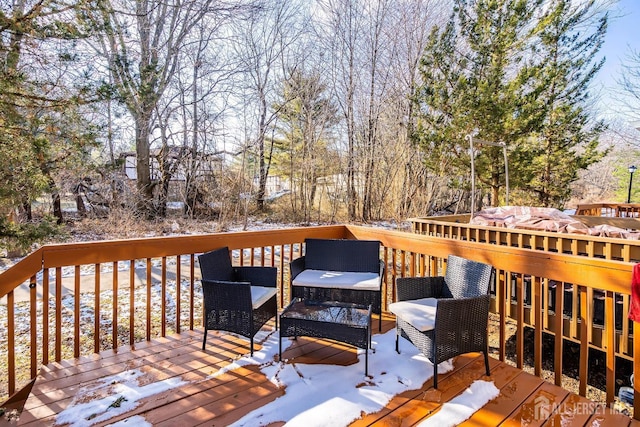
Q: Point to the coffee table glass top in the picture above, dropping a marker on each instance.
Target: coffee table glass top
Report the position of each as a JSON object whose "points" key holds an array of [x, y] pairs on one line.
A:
{"points": [[327, 311]]}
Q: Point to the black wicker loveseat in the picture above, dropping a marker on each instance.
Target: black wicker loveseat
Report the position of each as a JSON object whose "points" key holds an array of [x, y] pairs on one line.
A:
{"points": [[341, 270]]}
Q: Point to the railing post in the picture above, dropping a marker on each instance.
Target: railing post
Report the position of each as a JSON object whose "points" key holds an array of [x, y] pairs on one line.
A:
{"points": [[636, 371]]}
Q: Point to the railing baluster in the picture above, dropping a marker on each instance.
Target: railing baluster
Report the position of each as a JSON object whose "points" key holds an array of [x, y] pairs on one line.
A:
{"points": [[502, 297], [11, 343], [132, 301], [546, 304], [394, 265], [178, 293], [281, 274], [149, 283], [520, 322], [114, 307], [192, 284], [45, 317], [610, 328], [573, 326], [33, 321], [96, 325], [163, 298], [58, 322], [76, 311], [559, 333], [385, 260], [624, 337], [536, 307]]}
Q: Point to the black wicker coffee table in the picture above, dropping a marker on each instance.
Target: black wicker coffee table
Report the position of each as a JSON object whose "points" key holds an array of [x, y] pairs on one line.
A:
{"points": [[344, 322]]}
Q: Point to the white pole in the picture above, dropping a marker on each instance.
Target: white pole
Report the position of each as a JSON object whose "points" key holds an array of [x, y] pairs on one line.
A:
{"points": [[469, 137], [506, 171], [473, 175]]}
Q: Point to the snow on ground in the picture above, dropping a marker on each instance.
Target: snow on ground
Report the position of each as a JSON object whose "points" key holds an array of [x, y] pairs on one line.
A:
{"points": [[111, 396], [322, 395], [315, 394], [463, 406]]}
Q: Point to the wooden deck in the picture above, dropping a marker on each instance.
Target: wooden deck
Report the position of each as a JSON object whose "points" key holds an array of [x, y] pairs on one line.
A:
{"points": [[223, 400]]}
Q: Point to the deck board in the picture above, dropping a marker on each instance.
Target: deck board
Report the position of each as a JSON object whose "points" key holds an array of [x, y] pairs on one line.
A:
{"points": [[222, 400]]}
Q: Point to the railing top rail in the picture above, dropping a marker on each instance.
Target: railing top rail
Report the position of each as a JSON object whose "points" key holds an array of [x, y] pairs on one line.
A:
{"points": [[94, 252], [21, 271], [607, 205], [463, 221], [607, 274]]}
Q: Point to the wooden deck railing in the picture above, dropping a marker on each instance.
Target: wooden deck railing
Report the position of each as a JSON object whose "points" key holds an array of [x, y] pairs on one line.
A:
{"points": [[458, 227], [34, 332], [622, 210]]}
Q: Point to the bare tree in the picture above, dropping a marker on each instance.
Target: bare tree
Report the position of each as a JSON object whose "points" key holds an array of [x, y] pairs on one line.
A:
{"points": [[629, 85], [340, 32], [413, 189], [307, 117], [141, 42], [375, 48], [193, 110], [266, 49]]}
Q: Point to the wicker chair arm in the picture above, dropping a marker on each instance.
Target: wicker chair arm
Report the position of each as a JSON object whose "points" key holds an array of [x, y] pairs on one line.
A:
{"points": [[296, 266], [461, 326], [223, 295], [258, 276], [408, 288], [463, 314]]}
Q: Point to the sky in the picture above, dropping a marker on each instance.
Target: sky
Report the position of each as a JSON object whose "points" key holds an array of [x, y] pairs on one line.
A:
{"points": [[623, 37]]}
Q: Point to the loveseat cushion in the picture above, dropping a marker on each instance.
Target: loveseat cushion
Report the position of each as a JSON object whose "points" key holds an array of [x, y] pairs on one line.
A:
{"points": [[338, 280], [260, 295], [419, 313]]}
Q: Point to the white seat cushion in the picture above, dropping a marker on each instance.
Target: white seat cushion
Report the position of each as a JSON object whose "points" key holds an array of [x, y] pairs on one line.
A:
{"points": [[419, 313], [260, 295], [338, 279]]}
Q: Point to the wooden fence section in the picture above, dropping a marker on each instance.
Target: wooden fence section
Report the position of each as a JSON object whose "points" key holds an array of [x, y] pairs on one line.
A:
{"points": [[142, 300], [620, 210], [458, 227]]}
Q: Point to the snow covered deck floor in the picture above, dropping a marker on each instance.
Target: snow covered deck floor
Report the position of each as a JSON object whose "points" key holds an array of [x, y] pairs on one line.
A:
{"points": [[175, 387]]}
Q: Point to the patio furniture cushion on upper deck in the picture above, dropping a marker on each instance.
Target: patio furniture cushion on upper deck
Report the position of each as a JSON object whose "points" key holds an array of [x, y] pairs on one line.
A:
{"points": [[340, 270]]}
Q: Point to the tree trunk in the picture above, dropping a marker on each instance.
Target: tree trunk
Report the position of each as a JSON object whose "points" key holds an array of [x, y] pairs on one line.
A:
{"points": [[143, 170], [55, 200]]}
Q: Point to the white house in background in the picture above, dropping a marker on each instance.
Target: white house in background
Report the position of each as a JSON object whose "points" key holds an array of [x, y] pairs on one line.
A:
{"points": [[276, 185], [208, 164], [333, 186]]}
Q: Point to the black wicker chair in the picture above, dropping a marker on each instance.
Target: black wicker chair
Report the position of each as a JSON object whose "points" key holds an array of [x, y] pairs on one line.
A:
{"points": [[236, 299], [446, 316]]}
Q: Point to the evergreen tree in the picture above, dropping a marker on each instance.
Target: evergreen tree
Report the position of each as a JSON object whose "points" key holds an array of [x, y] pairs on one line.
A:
{"points": [[306, 118], [548, 162], [508, 75], [470, 86], [40, 126]]}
